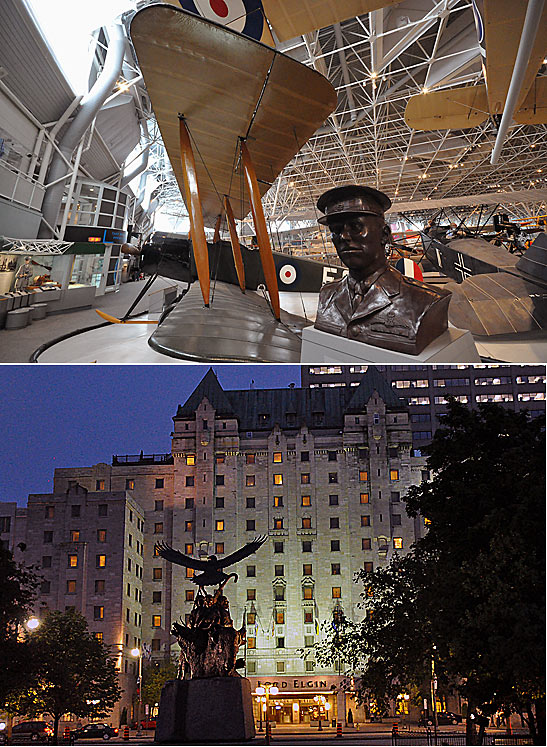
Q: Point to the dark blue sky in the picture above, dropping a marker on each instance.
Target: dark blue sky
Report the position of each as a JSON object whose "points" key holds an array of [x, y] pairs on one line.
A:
{"points": [[71, 416]]}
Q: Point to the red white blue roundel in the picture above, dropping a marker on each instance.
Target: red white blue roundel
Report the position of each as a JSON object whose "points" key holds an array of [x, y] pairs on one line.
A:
{"points": [[287, 274], [243, 16], [410, 269]]}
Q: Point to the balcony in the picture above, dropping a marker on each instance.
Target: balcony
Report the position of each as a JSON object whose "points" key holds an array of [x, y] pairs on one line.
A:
{"points": [[139, 459]]}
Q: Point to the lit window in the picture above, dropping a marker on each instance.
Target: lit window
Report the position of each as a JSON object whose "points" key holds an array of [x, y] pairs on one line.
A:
{"points": [[333, 477], [365, 521], [363, 476], [73, 561], [220, 458], [189, 595], [189, 548], [188, 526], [366, 543], [251, 642], [364, 498], [99, 636], [75, 535], [190, 459], [336, 592], [398, 543], [251, 594], [306, 500], [156, 621], [368, 567], [251, 618], [101, 561], [277, 480], [101, 535], [50, 512], [307, 592], [308, 617], [278, 524], [98, 613], [250, 458], [306, 522], [219, 548], [71, 587], [250, 481], [219, 525], [335, 569], [307, 569], [278, 501], [190, 573], [280, 618], [130, 484], [277, 457], [99, 485], [158, 527], [393, 474], [157, 574]]}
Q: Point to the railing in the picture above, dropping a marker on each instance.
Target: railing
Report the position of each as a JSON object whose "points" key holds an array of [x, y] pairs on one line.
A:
{"points": [[142, 459], [427, 737], [20, 188]]}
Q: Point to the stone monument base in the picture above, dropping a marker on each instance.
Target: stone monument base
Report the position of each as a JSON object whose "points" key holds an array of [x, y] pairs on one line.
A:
{"points": [[453, 346], [217, 709]]}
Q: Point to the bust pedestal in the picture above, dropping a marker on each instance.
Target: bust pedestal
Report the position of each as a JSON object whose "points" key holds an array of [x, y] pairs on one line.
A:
{"points": [[453, 346], [211, 710]]}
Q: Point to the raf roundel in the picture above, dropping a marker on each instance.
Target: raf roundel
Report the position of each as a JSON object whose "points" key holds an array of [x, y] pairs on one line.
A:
{"points": [[287, 274], [244, 16]]}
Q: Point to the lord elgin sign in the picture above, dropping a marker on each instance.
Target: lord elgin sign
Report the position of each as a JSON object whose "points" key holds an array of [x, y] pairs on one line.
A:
{"points": [[315, 683]]}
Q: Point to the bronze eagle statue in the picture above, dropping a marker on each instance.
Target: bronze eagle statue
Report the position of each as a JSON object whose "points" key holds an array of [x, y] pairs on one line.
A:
{"points": [[212, 567]]}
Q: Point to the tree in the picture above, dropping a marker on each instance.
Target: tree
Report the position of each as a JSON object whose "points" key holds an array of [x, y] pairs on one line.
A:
{"points": [[77, 674], [18, 587], [469, 598], [154, 678]]}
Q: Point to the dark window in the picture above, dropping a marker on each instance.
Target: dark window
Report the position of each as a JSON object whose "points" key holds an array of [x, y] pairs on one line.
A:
{"points": [[158, 527], [335, 569], [75, 511], [50, 512], [250, 503], [205, 425], [158, 505], [333, 500], [395, 496], [100, 586], [189, 481], [251, 570], [365, 521], [189, 503], [46, 561], [279, 593], [45, 587], [48, 537], [368, 567], [334, 522], [333, 477], [280, 642], [279, 570], [396, 520], [366, 543], [5, 524], [304, 456], [278, 546], [335, 545], [156, 597], [332, 456], [156, 644], [251, 525], [103, 509], [219, 480], [251, 594], [219, 502], [306, 546]]}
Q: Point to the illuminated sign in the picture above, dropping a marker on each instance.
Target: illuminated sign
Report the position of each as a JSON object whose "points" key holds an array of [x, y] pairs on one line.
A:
{"points": [[95, 234]]}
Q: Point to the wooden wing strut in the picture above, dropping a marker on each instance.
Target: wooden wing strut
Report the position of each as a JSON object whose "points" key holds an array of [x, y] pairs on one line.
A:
{"points": [[264, 246], [197, 230], [236, 249]]}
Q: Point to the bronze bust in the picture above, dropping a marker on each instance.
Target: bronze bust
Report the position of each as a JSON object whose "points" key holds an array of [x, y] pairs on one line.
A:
{"points": [[375, 303]]}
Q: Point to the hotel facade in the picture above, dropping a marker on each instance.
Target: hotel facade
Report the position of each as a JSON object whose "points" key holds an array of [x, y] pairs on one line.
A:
{"points": [[321, 472]]}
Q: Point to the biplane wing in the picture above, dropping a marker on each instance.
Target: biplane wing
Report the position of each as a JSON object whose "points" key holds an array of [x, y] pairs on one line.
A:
{"points": [[227, 87], [287, 17], [460, 108]]}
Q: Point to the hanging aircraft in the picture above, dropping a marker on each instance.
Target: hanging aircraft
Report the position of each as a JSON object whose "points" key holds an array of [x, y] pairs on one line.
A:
{"points": [[512, 37]]}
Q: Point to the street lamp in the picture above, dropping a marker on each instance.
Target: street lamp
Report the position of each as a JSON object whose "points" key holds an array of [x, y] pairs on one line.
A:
{"points": [[321, 703], [267, 690], [32, 623], [137, 653]]}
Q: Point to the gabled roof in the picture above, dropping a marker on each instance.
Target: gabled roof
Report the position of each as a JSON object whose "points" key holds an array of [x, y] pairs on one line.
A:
{"points": [[373, 381], [261, 409], [210, 388]]}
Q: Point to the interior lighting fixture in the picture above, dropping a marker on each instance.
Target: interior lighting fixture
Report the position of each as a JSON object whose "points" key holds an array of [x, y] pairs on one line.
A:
{"points": [[425, 89]]}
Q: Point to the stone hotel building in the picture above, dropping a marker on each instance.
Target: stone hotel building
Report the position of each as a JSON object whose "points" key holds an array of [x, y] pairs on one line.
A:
{"points": [[322, 472]]}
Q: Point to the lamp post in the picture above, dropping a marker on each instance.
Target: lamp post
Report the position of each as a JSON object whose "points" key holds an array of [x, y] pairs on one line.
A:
{"points": [[321, 703], [138, 653], [32, 623], [266, 691]]}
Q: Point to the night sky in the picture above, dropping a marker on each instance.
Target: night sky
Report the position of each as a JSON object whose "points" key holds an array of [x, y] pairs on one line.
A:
{"points": [[73, 416]]}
